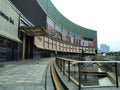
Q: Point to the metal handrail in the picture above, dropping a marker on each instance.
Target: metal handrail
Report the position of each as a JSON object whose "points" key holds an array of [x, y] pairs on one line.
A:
{"points": [[61, 62]]}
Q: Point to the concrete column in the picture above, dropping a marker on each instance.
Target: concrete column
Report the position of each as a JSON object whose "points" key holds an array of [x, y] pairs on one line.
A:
{"points": [[23, 47]]}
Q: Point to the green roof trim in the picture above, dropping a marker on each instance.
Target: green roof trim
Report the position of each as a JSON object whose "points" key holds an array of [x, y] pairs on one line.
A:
{"points": [[59, 19]]}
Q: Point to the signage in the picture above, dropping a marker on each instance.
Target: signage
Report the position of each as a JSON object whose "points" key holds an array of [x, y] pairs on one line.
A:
{"points": [[9, 20]]}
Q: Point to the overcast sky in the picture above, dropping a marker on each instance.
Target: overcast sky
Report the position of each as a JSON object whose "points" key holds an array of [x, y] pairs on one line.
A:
{"points": [[100, 15]]}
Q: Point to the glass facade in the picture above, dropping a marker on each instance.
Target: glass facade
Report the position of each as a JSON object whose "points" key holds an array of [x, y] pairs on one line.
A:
{"points": [[71, 37], [64, 35], [50, 27], [8, 50], [58, 32], [77, 40]]}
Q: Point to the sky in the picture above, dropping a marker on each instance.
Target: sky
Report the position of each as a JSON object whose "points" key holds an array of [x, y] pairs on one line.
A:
{"points": [[100, 15]]}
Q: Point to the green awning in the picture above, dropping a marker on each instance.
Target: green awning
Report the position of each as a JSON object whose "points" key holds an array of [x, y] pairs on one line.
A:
{"points": [[9, 36]]}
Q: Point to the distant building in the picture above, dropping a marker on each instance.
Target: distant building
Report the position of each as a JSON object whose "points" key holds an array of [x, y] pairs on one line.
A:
{"points": [[104, 48]]}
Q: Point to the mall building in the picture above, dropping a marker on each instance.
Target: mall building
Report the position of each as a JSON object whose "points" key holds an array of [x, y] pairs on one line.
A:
{"points": [[35, 29]]}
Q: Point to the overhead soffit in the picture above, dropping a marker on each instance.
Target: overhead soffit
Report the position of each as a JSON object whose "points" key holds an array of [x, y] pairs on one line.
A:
{"points": [[34, 31]]}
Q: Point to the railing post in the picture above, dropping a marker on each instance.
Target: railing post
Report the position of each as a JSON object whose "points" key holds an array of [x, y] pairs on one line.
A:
{"points": [[63, 67], [74, 71], [61, 64], [116, 74], [68, 70], [79, 76], [56, 58], [56, 61]]}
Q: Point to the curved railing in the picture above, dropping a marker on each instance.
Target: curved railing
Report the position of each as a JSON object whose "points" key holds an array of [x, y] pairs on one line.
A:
{"points": [[86, 74]]}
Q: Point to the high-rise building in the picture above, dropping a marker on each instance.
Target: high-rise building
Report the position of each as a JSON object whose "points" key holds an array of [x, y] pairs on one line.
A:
{"points": [[104, 48]]}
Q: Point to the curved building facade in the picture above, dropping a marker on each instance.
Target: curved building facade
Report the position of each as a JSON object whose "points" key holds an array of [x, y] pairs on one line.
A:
{"points": [[44, 31]]}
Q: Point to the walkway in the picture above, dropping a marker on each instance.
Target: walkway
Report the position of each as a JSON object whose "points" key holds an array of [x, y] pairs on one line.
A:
{"points": [[24, 75], [30, 75]]}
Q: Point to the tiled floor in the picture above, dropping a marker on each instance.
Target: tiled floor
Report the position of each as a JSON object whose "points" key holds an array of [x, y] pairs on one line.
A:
{"points": [[24, 75]]}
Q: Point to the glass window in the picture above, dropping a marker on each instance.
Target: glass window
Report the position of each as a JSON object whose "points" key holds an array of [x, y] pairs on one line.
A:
{"points": [[71, 37], [84, 43], [88, 41], [77, 39], [58, 31], [5, 49], [67, 36], [3, 42], [64, 34], [50, 27]]}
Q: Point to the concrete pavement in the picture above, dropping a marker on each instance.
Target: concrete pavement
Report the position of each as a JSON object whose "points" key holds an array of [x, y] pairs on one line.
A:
{"points": [[24, 75]]}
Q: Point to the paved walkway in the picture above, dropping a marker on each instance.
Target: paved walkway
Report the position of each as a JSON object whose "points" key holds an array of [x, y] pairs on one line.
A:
{"points": [[24, 75]]}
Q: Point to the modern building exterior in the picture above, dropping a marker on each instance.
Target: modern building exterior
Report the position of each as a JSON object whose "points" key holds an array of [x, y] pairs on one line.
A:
{"points": [[9, 20], [104, 48], [38, 30]]}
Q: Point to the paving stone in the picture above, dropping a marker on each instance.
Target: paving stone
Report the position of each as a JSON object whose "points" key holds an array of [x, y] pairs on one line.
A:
{"points": [[24, 75]]}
